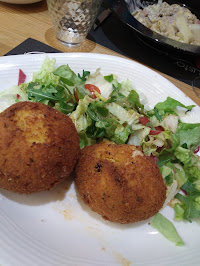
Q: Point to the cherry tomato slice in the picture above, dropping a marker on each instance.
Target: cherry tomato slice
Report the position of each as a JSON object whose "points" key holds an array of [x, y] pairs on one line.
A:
{"points": [[92, 89], [144, 120]]}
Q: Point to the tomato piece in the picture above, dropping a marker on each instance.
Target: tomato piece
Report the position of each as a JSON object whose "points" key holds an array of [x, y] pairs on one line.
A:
{"points": [[144, 120], [21, 78], [155, 132], [160, 128], [92, 89]]}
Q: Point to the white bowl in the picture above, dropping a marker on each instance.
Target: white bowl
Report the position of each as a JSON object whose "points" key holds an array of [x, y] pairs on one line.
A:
{"points": [[20, 1]]}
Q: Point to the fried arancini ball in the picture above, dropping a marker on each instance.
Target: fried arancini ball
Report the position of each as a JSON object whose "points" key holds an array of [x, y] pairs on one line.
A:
{"points": [[39, 147], [119, 182]]}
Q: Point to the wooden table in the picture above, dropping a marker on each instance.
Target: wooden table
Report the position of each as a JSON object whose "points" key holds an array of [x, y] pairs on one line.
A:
{"points": [[19, 22]]}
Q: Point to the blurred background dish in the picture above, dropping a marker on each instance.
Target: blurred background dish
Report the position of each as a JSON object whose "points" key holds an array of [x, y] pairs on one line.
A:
{"points": [[173, 21], [20, 1], [124, 9]]}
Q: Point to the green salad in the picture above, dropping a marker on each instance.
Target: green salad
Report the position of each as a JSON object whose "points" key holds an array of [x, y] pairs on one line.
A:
{"points": [[102, 108]]}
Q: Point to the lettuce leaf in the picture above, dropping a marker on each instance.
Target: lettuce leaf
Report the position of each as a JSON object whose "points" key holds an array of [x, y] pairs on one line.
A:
{"points": [[124, 95], [169, 106], [138, 136], [70, 81], [121, 134], [123, 115], [65, 72], [101, 82], [179, 211], [45, 75], [134, 100], [12, 95], [189, 134], [85, 140], [79, 117], [166, 228], [191, 162], [105, 125], [167, 154]]}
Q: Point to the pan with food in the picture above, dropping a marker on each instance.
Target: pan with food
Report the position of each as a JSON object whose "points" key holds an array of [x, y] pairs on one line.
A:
{"points": [[169, 25]]}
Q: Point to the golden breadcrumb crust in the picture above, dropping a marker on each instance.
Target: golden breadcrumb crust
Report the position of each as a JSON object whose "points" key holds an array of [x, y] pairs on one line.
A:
{"points": [[39, 147], [119, 182]]}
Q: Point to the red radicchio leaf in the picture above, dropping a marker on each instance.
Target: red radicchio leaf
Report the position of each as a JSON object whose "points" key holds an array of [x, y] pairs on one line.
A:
{"points": [[197, 149], [21, 78]]}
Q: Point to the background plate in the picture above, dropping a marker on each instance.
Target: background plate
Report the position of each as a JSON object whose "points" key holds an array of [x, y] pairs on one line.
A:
{"points": [[56, 228], [21, 2]]}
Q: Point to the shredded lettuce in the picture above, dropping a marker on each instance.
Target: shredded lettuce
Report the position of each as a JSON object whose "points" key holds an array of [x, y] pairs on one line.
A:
{"points": [[138, 136], [46, 74], [11, 96], [189, 134], [98, 80], [129, 116], [126, 87], [191, 162], [170, 122], [121, 134], [179, 212]]}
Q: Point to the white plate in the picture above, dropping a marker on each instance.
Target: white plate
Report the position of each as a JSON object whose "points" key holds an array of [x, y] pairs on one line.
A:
{"points": [[56, 228], [21, 2]]}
